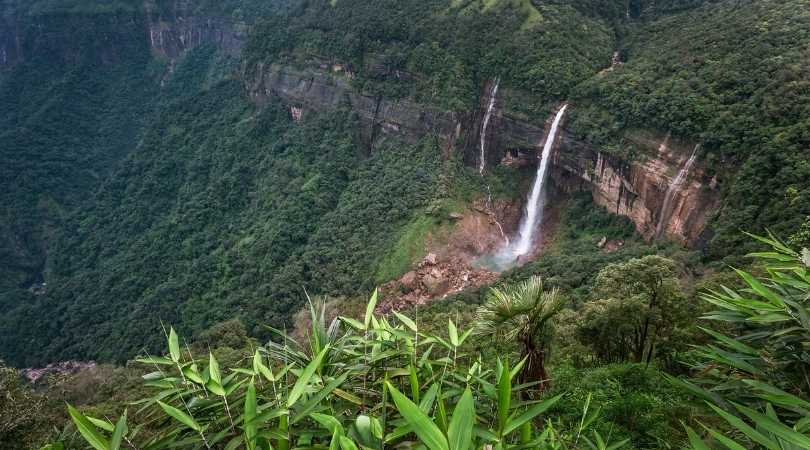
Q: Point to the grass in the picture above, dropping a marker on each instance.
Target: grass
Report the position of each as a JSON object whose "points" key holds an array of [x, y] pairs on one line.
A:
{"points": [[410, 247]]}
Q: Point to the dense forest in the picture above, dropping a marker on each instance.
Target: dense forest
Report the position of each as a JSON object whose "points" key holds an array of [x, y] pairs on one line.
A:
{"points": [[200, 196]]}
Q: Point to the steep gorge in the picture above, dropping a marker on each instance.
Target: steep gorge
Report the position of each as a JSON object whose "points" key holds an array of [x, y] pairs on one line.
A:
{"points": [[635, 188], [197, 184]]}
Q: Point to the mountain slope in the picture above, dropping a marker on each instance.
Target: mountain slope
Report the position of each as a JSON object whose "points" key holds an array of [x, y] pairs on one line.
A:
{"points": [[191, 185]]}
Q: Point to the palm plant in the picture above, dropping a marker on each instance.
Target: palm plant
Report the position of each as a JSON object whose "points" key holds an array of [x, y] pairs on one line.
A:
{"points": [[355, 384], [523, 313]]}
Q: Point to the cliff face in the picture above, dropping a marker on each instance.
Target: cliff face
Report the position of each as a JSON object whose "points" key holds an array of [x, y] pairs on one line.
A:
{"points": [[173, 32], [169, 32], [636, 189], [329, 87]]}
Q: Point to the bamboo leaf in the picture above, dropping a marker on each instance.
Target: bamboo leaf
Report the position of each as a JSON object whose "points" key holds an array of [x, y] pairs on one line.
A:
{"points": [[774, 426], [119, 432], [213, 369], [319, 396], [407, 321], [181, 417], [531, 413], [250, 414], [504, 397], [88, 430], [452, 332], [372, 303], [423, 426], [306, 374], [739, 424], [356, 324], [694, 440], [459, 434], [174, 345], [346, 443]]}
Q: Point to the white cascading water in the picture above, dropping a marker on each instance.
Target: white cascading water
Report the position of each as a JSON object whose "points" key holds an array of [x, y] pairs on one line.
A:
{"points": [[672, 190], [533, 215], [482, 144]]}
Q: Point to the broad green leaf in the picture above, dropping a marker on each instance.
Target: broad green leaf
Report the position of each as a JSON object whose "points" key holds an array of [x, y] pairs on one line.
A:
{"points": [[318, 397], [694, 440], [531, 413], [729, 443], [413, 378], [363, 426], [215, 387], [739, 424], [174, 345], [504, 397], [119, 432], [156, 360], [105, 425], [407, 321], [774, 426], [250, 414], [356, 324], [423, 426], [191, 373], [459, 433], [88, 430], [346, 443], [328, 422], [181, 417], [303, 380], [213, 369], [452, 331], [372, 303]]}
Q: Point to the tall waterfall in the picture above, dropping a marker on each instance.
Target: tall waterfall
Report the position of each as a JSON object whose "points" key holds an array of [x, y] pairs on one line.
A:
{"points": [[673, 189], [533, 215], [492, 93]]}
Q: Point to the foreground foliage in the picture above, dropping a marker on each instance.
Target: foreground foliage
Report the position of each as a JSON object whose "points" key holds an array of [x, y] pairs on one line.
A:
{"points": [[757, 380], [352, 384]]}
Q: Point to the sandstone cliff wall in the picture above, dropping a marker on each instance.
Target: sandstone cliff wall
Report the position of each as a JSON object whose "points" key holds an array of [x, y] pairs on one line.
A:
{"points": [[635, 189]]}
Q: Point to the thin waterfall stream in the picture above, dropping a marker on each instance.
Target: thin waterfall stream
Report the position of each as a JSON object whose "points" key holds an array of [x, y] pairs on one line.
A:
{"points": [[673, 189], [482, 162]]}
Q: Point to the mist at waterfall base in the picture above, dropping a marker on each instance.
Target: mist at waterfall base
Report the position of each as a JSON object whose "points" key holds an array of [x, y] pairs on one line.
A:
{"points": [[514, 250]]}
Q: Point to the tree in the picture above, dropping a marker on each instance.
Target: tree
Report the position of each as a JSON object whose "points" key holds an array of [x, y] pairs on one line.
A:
{"points": [[641, 306], [20, 410], [523, 312]]}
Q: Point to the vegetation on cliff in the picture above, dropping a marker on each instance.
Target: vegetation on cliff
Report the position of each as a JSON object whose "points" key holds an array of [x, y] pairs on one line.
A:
{"points": [[151, 194]]}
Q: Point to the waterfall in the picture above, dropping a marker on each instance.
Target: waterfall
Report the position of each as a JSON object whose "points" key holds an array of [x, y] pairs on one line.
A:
{"points": [[492, 93], [672, 190], [533, 214]]}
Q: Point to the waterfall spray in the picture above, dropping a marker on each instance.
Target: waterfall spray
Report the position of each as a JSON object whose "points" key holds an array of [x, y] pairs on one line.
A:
{"points": [[482, 144], [673, 189]]}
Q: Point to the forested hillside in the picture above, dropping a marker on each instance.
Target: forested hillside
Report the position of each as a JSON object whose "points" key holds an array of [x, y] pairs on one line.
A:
{"points": [[197, 198], [193, 230]]}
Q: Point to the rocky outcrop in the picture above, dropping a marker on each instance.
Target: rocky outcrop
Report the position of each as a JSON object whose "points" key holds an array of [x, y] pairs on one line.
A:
{"points": [[636, 189], [170, 31], [63, 368], [173, 33], [432, 278], [328, 87]]}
